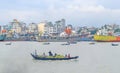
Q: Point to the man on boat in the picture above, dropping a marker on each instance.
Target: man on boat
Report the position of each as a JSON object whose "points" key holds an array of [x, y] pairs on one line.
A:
{"points": [[55, 55], [36, 52], [65, 55], [44, 55], [50, 53], [68, 55]]}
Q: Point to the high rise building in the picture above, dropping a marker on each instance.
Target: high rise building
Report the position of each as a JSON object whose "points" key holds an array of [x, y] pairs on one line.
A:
{"points": [[60, 26], [32, 28], [17, 27]]}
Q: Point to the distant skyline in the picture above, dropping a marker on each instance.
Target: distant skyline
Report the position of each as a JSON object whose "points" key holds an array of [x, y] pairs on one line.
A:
{"points": [[75, 12]]}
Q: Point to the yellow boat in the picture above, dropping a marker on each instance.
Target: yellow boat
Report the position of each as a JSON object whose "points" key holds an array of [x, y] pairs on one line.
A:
{"points": [[106, 38]]}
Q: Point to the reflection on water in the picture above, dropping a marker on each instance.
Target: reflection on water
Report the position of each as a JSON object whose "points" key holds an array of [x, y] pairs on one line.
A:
{"points": [[98, 58]]}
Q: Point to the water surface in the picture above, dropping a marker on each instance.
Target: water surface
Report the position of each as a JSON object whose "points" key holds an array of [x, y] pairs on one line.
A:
{"points": [[97, 58]]}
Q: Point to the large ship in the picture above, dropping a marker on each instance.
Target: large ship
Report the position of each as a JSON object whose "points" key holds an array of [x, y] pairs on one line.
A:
{"points": [[106, 36]]}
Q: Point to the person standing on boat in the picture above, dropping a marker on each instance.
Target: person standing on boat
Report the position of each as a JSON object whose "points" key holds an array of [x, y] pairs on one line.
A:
{"points": [[65, 55], [68, 55], [50, 53], [44, 55], [55, 55], [35, 52]]}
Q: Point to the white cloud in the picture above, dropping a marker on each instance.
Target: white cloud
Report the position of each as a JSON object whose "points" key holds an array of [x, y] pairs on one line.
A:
{"points": [[74, 11], [26, 16], [98, 8]]}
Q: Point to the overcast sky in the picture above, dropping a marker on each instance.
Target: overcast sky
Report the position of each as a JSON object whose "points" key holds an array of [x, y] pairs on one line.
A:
{"points": [[76, 12]]}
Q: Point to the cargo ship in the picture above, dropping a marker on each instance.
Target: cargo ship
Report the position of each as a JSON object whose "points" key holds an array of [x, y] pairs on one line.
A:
{"points": [[106, 38]]}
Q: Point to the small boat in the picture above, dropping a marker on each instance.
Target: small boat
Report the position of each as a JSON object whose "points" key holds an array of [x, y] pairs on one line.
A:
{"points": [[57, 57], [91, 43], [72, 42], [9, 43], [114, 44], [65, 44], [46, 43]]}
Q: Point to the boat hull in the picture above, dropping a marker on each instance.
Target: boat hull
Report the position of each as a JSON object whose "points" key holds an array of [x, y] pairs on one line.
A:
{"points": [[103, 38], [114, 44], [43, 58]]}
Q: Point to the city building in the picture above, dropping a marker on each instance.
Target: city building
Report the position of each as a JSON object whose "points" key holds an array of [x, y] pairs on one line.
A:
{"points": [[32, 28], [41, 28], [17, 27], [60, 26]]}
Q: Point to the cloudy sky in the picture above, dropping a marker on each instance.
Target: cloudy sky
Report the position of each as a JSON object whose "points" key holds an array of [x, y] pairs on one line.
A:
{"points": [[76, 12]]}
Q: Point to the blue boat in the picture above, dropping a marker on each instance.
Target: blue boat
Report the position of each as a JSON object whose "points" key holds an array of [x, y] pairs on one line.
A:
{"points": [[85, 39]]}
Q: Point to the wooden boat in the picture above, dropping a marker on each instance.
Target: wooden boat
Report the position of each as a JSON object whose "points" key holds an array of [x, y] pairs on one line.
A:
{"points": [[65, 44], [58, 57], [9, 43], [114, 44], [72, 42], [91, 43], [46, 43]]}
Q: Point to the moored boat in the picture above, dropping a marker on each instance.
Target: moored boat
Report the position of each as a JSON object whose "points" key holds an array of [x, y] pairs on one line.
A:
{"points": [[106, 38]]}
